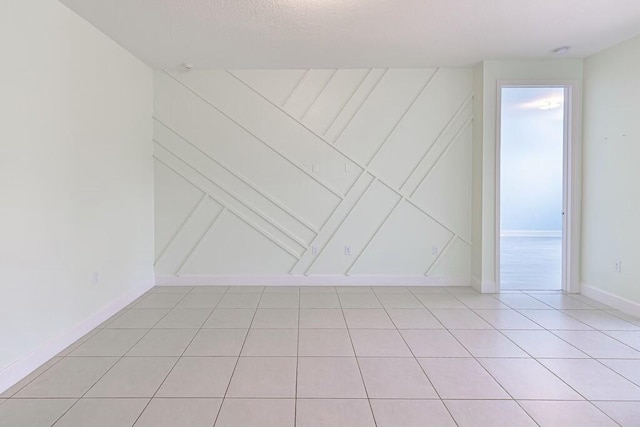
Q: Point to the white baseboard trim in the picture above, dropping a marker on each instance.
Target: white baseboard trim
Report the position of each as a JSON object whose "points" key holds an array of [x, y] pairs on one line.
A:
{"points": [[612, 300], [19, 369], [299, 280]]}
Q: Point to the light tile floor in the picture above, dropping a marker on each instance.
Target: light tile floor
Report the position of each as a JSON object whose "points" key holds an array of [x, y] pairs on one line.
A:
{"points": [[342, 356]]}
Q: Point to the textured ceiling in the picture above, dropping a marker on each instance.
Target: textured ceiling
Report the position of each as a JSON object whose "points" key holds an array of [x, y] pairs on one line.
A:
{"points": [[357, 33]]}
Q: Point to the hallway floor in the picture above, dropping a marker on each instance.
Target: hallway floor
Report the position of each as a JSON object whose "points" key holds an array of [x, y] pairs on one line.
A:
{"points": [[342, 356]]}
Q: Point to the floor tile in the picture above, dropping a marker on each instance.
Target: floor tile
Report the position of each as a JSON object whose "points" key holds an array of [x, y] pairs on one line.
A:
{"points": [[589, 301], [271, 318], [184, 318], [630, 338], [32, 412], [390, 290], [367, 318], [460, 319], [32, 376], [281, 290], [624, 316], [627, 414], [411, 413], [479, 302], [521, 301], [602, 320], [318, 290], [507, 319], [354, 289], [171, 289], [566, 414], [433, 343], [593, 380], [239, 300], [163, 342], [461, 290], [329, 377], [630, 369], [488, 343], [264, 377], [142, 318], [563, 302], [103, 412], [322, 318], [165, 412], [133, 377], [428, 289], [461, 379], [245, 289], [528, 379], [278, 300], [83, 339], [198, 377], [440, 301], [555, 320], [217, 342], [598, 345], [209, 289], [489, 413], [257, 412], [543, 344], [325, 342], [395, 379], [358, 300], [325, 300], [200, 300], [271, 342], [408, 318], [230, 318], [159, 300], [389, 300], [71, 377], [334, 413], [379, 343]]}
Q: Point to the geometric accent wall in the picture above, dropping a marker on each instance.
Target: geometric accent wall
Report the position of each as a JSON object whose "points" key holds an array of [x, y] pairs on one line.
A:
{"points": [[316, 172]]}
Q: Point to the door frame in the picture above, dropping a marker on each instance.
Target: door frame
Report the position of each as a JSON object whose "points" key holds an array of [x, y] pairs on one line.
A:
{"points": [[572, 174]]}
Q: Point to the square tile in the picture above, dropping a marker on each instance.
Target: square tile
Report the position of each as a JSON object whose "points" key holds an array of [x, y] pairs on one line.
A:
{"points": [[554, 414], [200, 300], [507, 319], [630, 369], [521, 301], [593, 380], [488, 343], [560, 301], [601, 320], [389, 300], [163, 342], [198, 377], [480, 302], [411, 413], [322, 318], [367, 318], [257, 412], [543, 344], [626, 414], [32, 412], [333, 413], [259, 377], [32, 376], [325, 300], [271, 318], [325, 342], [354, 290], [86, 337], [239, 300], [395, 378], [379, 343], [318, 290], [159, 300], [409, 318], [390, 290], [279, 300], [428, 289], [630, 338], [440, 301], [282, 290], [461, 290], [433, 343], [359, 300], [217, 342], [245, 289], [184, 318], [598, 345], [139, 318], [271, 342], [329, 377], [171, 289], [133, 377], [489, 413], [103, 412], [209, 289], [460, 319], [165, 412], [528, 379], [554, 319], [226, 318], [71, 377], [461, 379]]}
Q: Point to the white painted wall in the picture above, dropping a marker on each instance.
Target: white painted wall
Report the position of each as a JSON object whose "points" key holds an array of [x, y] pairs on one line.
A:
{"points": [[255, 168], [75, 180], [611, 194]]}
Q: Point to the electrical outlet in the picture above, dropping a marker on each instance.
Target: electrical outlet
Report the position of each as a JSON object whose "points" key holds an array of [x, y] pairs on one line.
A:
{"points": [[95, 278], [314, 250], [435, 250], [347, 250], [617, 266]]}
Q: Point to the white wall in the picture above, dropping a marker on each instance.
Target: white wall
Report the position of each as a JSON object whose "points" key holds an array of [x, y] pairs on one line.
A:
{"points": [[256, 168], [75, 180], [611, 194]]}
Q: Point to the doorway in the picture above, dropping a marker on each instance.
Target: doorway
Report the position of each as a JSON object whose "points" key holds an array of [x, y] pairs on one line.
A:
{"points": [[532, 187]]}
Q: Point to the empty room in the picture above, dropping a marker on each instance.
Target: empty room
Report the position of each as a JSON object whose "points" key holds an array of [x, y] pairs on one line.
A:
{"points": [[316, 213]]}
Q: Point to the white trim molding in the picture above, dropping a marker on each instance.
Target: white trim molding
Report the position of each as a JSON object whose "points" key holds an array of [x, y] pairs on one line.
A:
{"points": [[300, 280], [19, 369], [612, 300]]}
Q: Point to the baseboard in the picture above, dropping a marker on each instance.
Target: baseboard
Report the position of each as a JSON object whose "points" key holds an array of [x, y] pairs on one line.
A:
{"points": [[612, 300], [19, 369], [299, 280]]}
